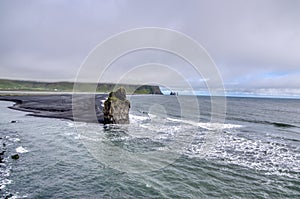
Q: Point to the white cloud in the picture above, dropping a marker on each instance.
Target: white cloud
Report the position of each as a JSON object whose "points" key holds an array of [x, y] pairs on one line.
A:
{"points": [[48, 40]]}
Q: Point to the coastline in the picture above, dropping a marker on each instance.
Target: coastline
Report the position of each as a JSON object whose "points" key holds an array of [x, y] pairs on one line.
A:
{"points": [[58, 105]]}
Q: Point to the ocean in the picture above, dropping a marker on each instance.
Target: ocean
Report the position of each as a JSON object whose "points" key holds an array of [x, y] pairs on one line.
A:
{"points": [[255, 154]]}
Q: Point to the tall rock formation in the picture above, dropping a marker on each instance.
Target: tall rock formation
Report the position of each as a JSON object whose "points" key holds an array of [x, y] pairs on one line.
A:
{"points": [[116, 108]]}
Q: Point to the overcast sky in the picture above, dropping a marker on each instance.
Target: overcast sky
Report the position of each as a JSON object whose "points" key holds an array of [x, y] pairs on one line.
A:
{"points": [[254, 43]]}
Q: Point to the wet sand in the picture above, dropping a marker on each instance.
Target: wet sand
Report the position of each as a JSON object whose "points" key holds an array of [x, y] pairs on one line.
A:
{"points": [[60, 106]]}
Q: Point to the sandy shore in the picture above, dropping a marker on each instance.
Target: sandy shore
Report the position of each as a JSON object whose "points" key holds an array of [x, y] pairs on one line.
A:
{"points": [[59, 105]]}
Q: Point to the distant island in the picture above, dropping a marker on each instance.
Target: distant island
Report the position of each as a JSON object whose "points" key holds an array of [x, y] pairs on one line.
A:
{"points": [[21, 85]]}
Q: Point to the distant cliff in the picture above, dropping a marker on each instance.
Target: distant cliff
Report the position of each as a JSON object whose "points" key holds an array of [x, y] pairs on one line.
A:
{"points": [[19, 85]]}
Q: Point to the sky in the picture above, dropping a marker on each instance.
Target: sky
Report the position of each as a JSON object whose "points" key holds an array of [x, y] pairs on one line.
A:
{"points": [[254, 44]]}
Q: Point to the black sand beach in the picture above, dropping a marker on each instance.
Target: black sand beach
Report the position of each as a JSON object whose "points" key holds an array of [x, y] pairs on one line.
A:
{"points": [[60, 105]]}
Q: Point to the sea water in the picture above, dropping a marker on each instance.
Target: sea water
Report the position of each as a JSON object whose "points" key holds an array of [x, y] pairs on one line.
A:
{"points": [[255, 155]]}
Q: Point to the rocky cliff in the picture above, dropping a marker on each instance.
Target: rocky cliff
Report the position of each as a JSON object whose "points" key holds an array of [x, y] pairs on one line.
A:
{"points": [[18, 85], [116, 108]]}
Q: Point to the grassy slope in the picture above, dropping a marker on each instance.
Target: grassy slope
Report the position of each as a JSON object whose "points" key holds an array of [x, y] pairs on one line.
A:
{"points": [[17, 85]]}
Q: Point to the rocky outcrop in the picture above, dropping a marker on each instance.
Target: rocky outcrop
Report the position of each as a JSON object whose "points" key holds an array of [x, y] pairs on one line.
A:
{"points": [[116, 108], [15, 156]]}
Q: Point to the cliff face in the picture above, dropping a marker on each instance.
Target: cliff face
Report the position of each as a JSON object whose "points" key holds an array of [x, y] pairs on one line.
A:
{"points": [[116, 108], [145, 89], [18, 85]]}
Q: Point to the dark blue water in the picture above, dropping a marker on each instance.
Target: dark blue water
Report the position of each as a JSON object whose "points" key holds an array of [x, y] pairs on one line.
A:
{"points": [[256, 155]]}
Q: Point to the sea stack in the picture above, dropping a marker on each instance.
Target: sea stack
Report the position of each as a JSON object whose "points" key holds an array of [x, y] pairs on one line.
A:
{"points": [[116, 108]]}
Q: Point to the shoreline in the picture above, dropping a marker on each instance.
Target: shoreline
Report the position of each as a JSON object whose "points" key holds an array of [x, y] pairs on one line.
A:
{"points": [[59, 106], [12, 93]]}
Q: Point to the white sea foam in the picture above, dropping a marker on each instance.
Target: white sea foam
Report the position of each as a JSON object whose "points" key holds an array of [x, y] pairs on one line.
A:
{"points": [[152, 116], [271, 157], [77, 137], [137, 118], [88, 138], [4, 182], [4, 170], [71, 124], [206, 125], [14, 139], [21, 149], [102, 102], [168, 128]]}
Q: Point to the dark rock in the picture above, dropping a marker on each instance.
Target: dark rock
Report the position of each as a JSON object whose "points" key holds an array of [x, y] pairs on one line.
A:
{"points": [[2, 153], [8, 196], [119, 94], [13, 121], [116, 108], [15, 157], [4, 145]]}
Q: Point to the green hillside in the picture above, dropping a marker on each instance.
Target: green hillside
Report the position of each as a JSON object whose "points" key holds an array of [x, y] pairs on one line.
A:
{"points": [[18, 85]]}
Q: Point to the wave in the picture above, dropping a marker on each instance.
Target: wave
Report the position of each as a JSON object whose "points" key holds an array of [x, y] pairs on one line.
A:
{"points": [[8, 143], [204, 125], [21, 149], [207, 125], [277, 124], [137, 118], [71, 124], [4, 182], [281, 124], [102, 102], [268, 157]]}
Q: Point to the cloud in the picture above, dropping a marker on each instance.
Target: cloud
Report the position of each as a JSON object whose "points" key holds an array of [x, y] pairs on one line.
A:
{"points": [[48, 40]]}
